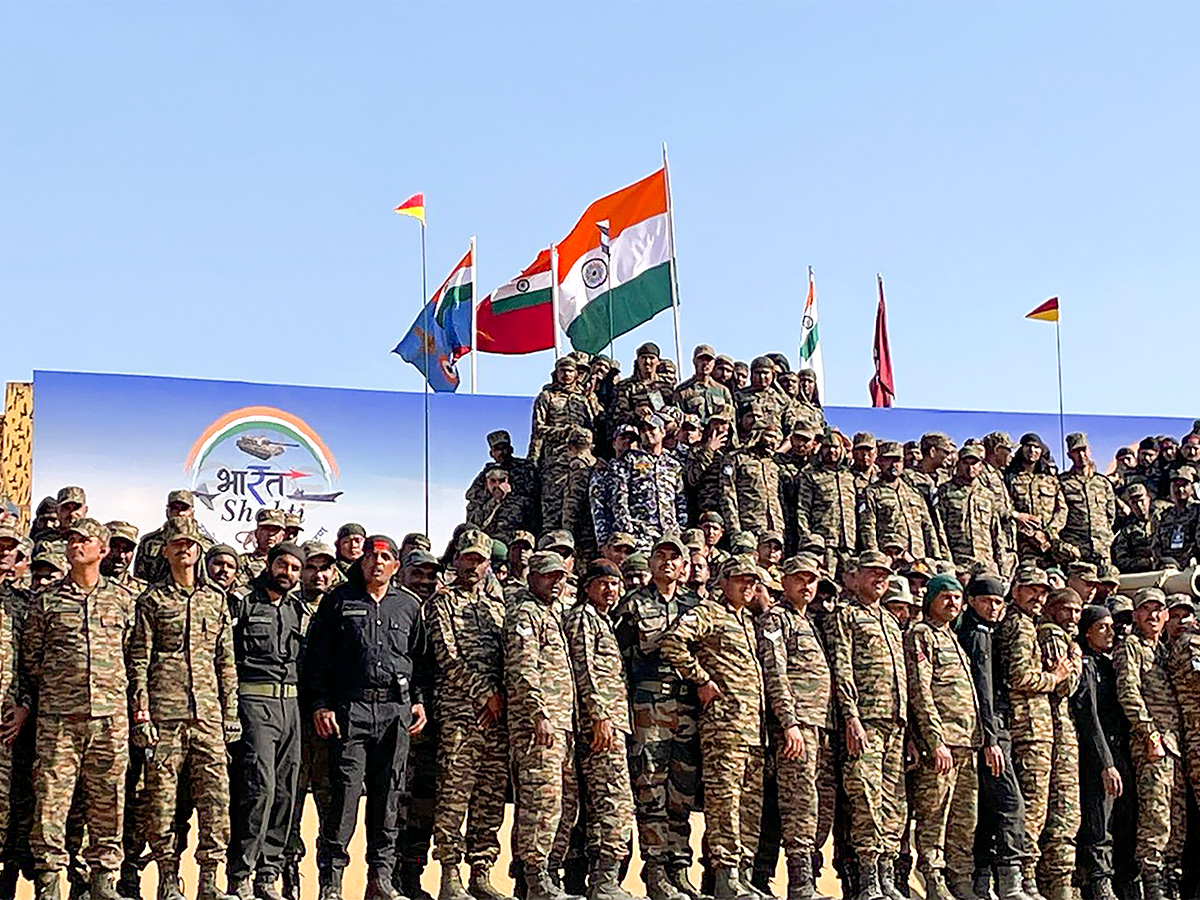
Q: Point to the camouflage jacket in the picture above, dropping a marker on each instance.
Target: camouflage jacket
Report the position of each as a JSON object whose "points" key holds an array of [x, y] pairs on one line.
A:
{"points": [[1056, 644], [537, 671], [795, 670], [714, 642], [971, 523], [767, 405], [182, 663], [75, 649], [11, 693], [576, 507], [599, 495], [827, 505], [1144, 690], [647, 497], [631, 393], [598, 668], [797, 410], [466, 635], [703, 475], [1183, 666], [499, 518], [1040, 496], [1133, 547], [941, 690], [891, 511], [642, 617], [868, 663], [750, 492], [1176, 531], [1091, 511], [704, 397], [526, 486], [555, 410], [790, 468], [1029, 684], [149, 564]]}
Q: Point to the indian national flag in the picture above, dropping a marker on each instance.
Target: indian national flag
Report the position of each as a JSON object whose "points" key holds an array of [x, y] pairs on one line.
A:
{"points": [[518, 317], [810, 338], [616, 266]]}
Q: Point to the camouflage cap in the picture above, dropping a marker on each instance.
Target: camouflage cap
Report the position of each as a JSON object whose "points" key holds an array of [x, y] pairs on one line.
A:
{"points": [[812, 543], [1176, 601], [473, 541], [626, 428], [315, 549], [762, 362], [767, 536], [1031, 437], [421, 558], [873, 559], [743, 542], [8, 533], [805, 427], [183, 497], [932, 439], [1108, 574], [292, 520], [998, 439], [972, 449], [864, 440], [804, 563], [725, 358], [691, 420], [546, 562], [1031, 576], [649, 349], [771, 582], [898, 591], [565, 362], [553, 539], [351, 528], [890, 450], [704, 350], [416, 539], [1148, 595], [712, 518], [831, 436], [693, 539], [499, 438], [1185, 473], [522, 537], [1084, 571], [742, 564], [271, 516], [90, 528], [1119, 603], [182, 528], [1076, 440], [671, 539], [1137, 489], [51, 558], [122, 530], [71, 494], [635, 563]]}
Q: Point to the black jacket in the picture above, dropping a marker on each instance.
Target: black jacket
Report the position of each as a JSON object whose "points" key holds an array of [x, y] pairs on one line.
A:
{"points": [[1099, 719], [975, 636]]}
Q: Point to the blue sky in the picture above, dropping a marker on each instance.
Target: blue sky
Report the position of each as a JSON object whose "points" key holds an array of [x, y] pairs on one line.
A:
{"points": [[205, 189]]}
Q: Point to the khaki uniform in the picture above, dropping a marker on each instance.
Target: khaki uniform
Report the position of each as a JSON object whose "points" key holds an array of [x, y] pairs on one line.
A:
{"points": [[750, 491]]}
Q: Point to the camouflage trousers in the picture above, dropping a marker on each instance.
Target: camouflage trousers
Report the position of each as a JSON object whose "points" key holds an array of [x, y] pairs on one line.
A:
{"points": [[806, 793], [733, 799], [664, 768], [92, 752], [472, 775], [1032, 761], [946, 808], [609, 801], [555, 467], [6, 761], [194, 751], [1162, 808], [314, 777], [1063, 813], [547, 799], [874, 786]]}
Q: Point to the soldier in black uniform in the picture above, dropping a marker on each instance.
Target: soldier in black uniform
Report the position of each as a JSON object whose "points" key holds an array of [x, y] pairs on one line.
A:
{"points": [[267, 636], [1001, 830], [366, 669]]}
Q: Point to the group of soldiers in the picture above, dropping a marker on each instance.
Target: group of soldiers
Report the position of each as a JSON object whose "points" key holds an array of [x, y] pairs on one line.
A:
{"points": [[917, 650]]}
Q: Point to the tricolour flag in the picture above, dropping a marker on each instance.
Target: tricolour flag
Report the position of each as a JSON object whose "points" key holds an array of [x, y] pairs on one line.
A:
{"points": [[615, 267], [441, 334], [810, 338], [1047, 312], [414, 206], [518, 317]]}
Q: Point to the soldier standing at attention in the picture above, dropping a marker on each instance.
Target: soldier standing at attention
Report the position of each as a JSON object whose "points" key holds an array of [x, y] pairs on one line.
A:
{"points": [[827, 502], [14, 707], [646, 492], [664, 754], [557, 407], [185, 708], [798, 687], [466, 636], [645, 388], [1091, 506], [703, 395], [604, 727], [267, 637], [1030, 685], [121, 544], [1145, 693], [714, 647], [946, 730], [969, 515], [74, 660], [890, 511], [871, 685], [541, 694], [750, 485]]}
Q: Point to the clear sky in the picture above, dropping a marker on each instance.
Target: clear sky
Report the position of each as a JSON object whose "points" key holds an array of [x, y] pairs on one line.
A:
{"points": [[205, 189]]}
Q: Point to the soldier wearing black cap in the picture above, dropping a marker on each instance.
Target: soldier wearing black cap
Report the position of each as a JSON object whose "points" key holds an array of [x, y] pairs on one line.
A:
{"points": [[349, 546], [644, 388], [268, 631], [366, 669]]}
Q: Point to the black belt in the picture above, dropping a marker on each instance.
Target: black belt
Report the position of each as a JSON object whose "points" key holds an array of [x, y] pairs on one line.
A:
{"points": [[390, 694]]}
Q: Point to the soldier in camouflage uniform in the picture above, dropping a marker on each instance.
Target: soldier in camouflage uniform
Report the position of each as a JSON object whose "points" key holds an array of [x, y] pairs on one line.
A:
{"points": [[798, 686], [750, 485], [646, 492], [1177, 528], [791, 462], [1054, 634], [644, 390], [149, 564], [1133, 544], [1145, 693], [501, 513], [931, 471], [890, 511], [714, 647], [1030, 685], [1091, 507], [871, 686], [268, 533], [945, 728], [465, 627], [74, 660], [761, 400], [185, 708], [577, 513], [826, 501], [664, 753], [14, 704], [600, 484], [997, 453], [603, 727], [116, 565], [863, 452], [703, 395], [1039, 507], [968, 514], [560, 406], [15, 549], [522, 475], [541, 693], [704, 474]]}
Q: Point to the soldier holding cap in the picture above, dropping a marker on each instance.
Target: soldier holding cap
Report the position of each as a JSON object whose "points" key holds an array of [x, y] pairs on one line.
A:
{"points": [[827, 502], [702, 394], [1091, 506], [1039, 506], [149, 564], [269, 523], [891, 511], [969, 515], [365, 668], [1175, 530], [646, 388], [74, 660], [185, 708], [1144, 691]]}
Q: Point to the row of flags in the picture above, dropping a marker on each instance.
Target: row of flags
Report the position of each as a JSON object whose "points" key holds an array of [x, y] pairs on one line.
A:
{"points": [[612, 272]]}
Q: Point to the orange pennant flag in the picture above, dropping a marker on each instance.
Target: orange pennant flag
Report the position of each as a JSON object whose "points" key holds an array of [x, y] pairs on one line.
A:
{"points": [[414, 206], [1047, 312]]}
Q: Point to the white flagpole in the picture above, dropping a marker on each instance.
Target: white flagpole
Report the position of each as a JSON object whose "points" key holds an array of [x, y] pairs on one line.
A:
{"points": [[554, 297], [474, 307], [674, 274]]}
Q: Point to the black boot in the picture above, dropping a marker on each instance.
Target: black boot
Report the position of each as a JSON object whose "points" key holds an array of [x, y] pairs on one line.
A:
{"points": [[129, 885], [1152, 886], [659, 885], [331, 885], [290, 878], [868, 880]]}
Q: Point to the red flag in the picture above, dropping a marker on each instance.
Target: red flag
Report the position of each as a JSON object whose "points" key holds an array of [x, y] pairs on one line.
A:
{"points": [[882, 387]]}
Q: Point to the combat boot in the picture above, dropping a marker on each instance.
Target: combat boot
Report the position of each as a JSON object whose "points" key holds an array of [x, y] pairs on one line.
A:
{"points": [[379, 887], [241, 888], [102, 886], [168, 882], [659, 885], [480, 886], [1152, 887], [887, 879], [290, 879], [1102, 889], [206, 888], [800, 878], [129, 885], [539, 886], [727, 885], [677, 876], [981, 883], [603, 884], [868, 879], [407, 880], [77, 884], [1029, 886], [746, 877], [961, 888], [452, 887], [935, 885], [331, 885], [264, 887], [1010, 883], [46, 886]]}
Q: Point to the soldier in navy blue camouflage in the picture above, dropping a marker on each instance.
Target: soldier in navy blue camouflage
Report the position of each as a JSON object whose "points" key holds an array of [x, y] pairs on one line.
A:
{"points": [[647, 493]]}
